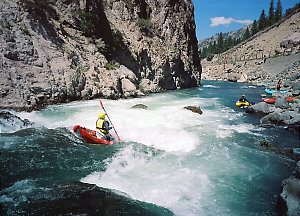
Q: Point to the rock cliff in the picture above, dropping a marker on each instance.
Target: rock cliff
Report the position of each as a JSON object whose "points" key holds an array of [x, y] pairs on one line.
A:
{"points": [[64, 50]]}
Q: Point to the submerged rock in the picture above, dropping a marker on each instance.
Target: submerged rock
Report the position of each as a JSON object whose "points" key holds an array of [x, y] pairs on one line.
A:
{"points": [[10, 122], [85, 199]]}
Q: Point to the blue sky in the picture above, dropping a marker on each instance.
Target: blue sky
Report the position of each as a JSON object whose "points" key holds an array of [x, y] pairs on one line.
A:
{"points": [[215, 16]]}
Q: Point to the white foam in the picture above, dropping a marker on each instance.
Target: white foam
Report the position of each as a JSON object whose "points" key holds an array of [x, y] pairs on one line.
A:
{"points": [[156, 180]]}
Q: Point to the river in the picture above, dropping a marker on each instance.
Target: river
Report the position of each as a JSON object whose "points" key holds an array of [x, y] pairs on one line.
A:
{"points": [[171, 160]]}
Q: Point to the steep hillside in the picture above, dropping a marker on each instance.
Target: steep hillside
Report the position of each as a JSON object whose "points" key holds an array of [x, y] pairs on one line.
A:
{"points": [[260, 59], [234, 35], [64, 50]]}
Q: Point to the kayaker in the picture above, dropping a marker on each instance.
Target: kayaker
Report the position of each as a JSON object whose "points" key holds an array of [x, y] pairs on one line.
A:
{"points": [[278, 85], [103, 126], [243, 99]]}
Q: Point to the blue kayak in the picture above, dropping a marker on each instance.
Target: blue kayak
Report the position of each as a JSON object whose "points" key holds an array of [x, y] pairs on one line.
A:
{"points": [[269, 91]]}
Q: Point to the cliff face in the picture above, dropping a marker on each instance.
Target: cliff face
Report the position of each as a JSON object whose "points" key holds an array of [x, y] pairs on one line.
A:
{"points": [[58, 51]]}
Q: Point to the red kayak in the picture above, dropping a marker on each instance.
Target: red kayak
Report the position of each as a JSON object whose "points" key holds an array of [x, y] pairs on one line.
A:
{"points": [[89, 136], [272, 100], [269, 100], [291, 98]]}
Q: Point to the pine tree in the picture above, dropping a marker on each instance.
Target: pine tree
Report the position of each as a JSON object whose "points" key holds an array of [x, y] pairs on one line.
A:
{"points": [[271, 13], [246, 34], [278, 12], [254, 28], [262, 21], [220, 43]]}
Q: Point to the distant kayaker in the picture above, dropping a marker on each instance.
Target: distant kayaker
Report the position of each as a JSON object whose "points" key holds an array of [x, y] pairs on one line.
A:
{"points": [[278, 85], [103, 126], [243, 99]]}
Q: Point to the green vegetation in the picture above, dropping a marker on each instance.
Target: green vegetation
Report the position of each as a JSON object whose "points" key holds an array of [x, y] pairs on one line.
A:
{"points": [[141, 86], [145, 26], [25, 29], [100, 44], [94, 24], [86, 22], [222, 44], [110, 65]]}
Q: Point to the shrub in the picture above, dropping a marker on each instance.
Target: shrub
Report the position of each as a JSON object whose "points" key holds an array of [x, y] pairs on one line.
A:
{"points": [[100, 44], [110, 65], [145, 25], [25, 29]]}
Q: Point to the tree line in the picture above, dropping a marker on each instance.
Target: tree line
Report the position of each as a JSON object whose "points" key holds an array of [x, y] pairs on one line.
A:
{"points": [[223, 44]]}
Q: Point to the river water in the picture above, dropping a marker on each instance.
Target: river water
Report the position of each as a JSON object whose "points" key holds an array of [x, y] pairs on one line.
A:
{"points": [[169, 157]]}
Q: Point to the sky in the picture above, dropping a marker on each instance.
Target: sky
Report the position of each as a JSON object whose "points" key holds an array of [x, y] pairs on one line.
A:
{"points": [[215, 16]]}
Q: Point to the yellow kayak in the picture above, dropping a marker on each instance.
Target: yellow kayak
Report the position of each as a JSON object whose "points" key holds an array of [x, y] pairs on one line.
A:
{"points": [[242, 104]]}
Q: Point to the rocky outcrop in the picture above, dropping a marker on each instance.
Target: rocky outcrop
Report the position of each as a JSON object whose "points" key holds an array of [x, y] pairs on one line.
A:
{"points": [[58, 53], [291, 41]]}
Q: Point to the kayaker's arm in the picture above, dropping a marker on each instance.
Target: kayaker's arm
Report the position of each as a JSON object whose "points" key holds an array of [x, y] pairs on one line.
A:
{"points": [[107, 126]]}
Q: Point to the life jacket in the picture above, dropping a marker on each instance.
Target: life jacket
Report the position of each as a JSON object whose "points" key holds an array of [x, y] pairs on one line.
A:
{"points": [[100, 125]]}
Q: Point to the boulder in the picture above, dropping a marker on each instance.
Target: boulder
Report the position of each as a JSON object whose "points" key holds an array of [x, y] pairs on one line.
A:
{"points": [[296, 86], [295, 121], [289, 201], [260, 108], [232, 77], [139, 106], [278, 118], [195, 109], [282, 103], [291, 41], [296, 92], [128, 88]]}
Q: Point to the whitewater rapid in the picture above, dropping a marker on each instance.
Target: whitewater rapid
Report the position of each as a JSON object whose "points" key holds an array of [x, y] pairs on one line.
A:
{"points": [[192, 164]]}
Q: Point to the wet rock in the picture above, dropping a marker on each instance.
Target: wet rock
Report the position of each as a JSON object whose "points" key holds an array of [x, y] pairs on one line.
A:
{"points": [[86, 199], [295, 120], [265, 144], [288, 201], [281, 102], [260, 108], [10, 122], [278, 118], [139, 106], [195, 109]]}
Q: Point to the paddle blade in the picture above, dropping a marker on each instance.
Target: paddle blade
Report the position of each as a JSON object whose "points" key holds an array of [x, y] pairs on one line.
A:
{"points": [[101, 104]]}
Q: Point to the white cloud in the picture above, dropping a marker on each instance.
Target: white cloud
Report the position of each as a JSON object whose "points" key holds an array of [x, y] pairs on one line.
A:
{"points": [[215, 21]]}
